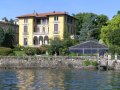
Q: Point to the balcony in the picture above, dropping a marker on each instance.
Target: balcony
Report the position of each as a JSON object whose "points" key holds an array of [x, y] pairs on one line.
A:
{"points": [[40, 33]]}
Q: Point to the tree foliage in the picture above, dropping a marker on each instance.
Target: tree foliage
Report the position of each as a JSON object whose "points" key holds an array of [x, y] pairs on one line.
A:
{"points": [[9, 38], [1, 35], [54, 47], [60, 47], [110, 34], [5, 19], [11, 21], [89, 25]]}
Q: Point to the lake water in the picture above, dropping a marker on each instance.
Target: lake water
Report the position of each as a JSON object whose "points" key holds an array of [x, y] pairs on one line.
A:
{"points": [[31, 79]]}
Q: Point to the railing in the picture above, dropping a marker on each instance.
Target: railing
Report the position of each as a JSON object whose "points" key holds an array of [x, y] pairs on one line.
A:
{"points": [[41, 33]]}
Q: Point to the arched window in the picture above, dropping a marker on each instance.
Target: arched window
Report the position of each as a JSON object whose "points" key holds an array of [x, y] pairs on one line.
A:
{"points": [[46, 40], [41, 40], [35, 40]]}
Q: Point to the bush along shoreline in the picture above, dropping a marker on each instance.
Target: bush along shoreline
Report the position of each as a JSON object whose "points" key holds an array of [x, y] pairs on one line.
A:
{"points": [[32, 57]]}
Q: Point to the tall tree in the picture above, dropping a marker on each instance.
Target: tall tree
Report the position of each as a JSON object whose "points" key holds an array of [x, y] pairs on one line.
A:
{"points": [[89, 25], [110, 34], [5, 19], [11, 21], [1, 35], [9, 38]]}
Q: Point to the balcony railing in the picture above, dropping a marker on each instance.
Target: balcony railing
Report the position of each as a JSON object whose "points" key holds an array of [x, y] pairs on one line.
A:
{"points": [[41, 33]]}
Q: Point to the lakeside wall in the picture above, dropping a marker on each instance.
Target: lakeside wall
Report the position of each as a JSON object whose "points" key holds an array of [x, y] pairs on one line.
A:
{"points": [[63, 62]]}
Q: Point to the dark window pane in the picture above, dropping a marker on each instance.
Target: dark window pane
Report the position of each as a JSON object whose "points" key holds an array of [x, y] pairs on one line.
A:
{"points": [[25, 29], [55, 28], [25, 20], [25, 41], [55, 18]]}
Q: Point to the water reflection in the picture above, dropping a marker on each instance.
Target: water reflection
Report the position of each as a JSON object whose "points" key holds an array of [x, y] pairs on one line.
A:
{"points": [[31, 79], [8, 80], [26, 79]]}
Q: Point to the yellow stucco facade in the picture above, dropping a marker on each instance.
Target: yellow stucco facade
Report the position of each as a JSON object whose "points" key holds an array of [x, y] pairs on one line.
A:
{"points": [[60, 23], [38, 29], [29, 34]]}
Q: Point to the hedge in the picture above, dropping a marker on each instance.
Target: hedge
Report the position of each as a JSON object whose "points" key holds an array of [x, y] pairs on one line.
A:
{"points": [[5, 51]]}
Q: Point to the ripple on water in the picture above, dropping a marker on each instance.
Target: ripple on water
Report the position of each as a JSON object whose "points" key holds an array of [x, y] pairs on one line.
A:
{"points": [[31, 79]]}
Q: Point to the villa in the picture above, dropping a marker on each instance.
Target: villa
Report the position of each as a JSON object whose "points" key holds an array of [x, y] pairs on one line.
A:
{"points": [[37, 29]]}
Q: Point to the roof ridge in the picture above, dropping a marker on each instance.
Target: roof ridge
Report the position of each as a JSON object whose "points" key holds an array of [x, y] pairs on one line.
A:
{"points": [[36, 14]]}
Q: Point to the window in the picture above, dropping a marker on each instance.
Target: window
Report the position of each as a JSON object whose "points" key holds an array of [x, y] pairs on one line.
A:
{"points": [[38, 21], [74, 30], [55, 28], [68, 29], [25, 41], [43, 30], [25, 29], [43, 21], [25, 20], [55, 18], [71, 30], [38, 29]]}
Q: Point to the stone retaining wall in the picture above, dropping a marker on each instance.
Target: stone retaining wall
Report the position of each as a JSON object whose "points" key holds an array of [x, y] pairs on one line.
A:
{"points": [[42, 62], [64, 62]]}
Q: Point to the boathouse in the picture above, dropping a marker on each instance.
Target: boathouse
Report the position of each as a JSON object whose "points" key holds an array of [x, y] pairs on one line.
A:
{"points": [[89, 47]]}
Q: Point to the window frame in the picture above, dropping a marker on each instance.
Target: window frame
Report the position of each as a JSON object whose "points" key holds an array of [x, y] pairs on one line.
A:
{"points": [[25, 41], [55, 28], [25, 29], [56, 18], [25, 20]]}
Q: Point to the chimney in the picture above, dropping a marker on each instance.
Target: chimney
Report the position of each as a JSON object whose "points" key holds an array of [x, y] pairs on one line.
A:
{"points": [[66, 12], [36, 14]]}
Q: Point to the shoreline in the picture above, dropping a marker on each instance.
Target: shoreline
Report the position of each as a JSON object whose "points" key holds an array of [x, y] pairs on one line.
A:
{"points": [[80, 68], [47, 62]]}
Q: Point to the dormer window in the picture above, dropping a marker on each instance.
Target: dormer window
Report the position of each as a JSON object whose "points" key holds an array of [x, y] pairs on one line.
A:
{"points": [[55, 18]]}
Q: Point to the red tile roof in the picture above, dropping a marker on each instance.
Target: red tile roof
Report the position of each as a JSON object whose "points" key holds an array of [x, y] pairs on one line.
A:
{"points": [[43, 14]]}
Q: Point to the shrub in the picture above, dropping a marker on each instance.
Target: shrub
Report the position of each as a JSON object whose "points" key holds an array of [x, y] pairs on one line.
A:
{"points": [[30, 50], [19, 53], [94, 63], [72, 54], [5, 51], [86, 63], [18, 48], [12, 54], [41, 50], [114, 49]]}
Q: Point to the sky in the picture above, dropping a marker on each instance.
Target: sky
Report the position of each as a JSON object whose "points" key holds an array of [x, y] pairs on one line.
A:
{"points": [[14, 8]]}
